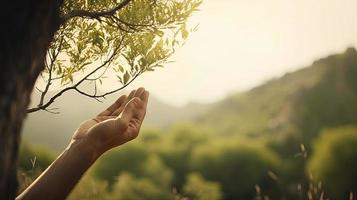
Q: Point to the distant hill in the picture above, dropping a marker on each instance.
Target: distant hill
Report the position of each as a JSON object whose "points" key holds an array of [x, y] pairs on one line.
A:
{"points": [[55, 130], [319, 96]]}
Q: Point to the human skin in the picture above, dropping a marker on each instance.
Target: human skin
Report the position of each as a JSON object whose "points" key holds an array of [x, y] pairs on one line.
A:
{"points": [[118, 124]]}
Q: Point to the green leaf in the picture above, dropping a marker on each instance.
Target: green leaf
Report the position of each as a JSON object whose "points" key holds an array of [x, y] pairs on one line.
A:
{"points": [[126, 77], [121, 68], [120, 79]]}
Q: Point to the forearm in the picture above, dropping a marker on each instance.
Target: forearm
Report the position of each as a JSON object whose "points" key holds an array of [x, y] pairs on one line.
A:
{"points": [[57, 181]]}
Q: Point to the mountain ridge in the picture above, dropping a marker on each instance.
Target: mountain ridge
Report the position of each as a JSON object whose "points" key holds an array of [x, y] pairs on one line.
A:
{"points": [[278, 105]]}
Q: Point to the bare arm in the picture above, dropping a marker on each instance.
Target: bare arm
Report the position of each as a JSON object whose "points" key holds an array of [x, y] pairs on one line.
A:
{"points": [[113, 127]]}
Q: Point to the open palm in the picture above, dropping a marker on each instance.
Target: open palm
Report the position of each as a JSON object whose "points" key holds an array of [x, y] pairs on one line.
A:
{"points": [[118, 124]]}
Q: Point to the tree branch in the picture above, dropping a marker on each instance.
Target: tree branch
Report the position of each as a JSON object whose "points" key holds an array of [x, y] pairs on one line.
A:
{"points": [[110, 92], [50, 68], [93, 14], [44, 106], [118, 25]]}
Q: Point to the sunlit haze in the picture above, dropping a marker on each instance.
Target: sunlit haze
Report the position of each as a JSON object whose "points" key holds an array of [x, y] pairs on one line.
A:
{"points": [[242, 43]]}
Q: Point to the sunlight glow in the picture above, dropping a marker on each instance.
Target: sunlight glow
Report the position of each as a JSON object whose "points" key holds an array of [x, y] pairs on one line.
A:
{"points": [[241, 43]]}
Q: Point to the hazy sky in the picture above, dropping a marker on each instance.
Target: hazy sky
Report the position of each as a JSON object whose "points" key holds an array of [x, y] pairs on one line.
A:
{"points": [[242, 43]]}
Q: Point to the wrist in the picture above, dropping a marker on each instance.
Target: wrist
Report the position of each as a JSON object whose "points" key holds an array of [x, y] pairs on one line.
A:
{"points": [[86, 149]]}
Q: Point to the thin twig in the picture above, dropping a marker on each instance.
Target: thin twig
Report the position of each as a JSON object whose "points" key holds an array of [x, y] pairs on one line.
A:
{"points": [[51, 111], [50, 68], [110, 92], [93, 14]]}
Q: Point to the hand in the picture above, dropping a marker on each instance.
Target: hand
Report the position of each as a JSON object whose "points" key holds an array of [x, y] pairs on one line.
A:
{"points": [[116, 125]]}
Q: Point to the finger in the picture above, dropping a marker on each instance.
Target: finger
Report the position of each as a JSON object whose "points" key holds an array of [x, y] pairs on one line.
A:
{"points": [[132, 118], [132, 93], [130, 111], [114, 106], [118, 110], [144, 101], [138, 115], [139, 92], [145, 97]]}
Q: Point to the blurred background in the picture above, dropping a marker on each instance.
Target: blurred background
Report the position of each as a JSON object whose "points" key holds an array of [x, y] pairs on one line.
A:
{"points": [[260, 103]]}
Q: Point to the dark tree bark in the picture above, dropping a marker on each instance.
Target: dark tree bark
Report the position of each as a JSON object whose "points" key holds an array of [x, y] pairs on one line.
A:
{"points": [[27, 29]]}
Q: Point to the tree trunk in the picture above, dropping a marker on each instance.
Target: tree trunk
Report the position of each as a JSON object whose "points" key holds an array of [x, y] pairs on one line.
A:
{"points": [[27, 30]]}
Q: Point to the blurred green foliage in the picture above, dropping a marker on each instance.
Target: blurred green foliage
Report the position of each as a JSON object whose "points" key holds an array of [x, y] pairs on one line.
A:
{"points": [[31, 162], [129, 187], [238, 166], [128, 158], [34, 158], [176, 150], [91, 189], [196, 187], [334, 161]]}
